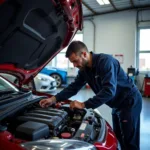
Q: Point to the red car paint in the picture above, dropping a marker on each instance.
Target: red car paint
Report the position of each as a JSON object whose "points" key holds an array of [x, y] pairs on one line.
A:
{"points": [[110, 142], [7, 142]]}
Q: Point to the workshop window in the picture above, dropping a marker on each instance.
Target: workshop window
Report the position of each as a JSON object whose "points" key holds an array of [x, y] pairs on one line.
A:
{"points": [[144, 49]]}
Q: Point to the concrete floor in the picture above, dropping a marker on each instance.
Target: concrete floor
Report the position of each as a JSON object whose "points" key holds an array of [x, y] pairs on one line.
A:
{"points": [[84, 94]]}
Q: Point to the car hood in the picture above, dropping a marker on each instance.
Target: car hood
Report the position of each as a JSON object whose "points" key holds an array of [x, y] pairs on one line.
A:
{"points": [[32, 32]]}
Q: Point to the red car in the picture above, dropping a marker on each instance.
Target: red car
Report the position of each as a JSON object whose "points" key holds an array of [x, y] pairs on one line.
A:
{"points": [[32, 32]]}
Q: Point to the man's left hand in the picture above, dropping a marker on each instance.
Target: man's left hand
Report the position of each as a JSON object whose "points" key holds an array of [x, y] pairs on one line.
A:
{"points": [[76, 104]]}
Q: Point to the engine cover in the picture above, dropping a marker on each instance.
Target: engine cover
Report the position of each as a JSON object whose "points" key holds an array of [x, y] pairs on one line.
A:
{"points": [[32, 131], [49, 116]]}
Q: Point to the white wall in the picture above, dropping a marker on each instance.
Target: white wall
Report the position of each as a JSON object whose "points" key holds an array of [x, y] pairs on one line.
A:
{"points": [[115, 34], [88, 34]]}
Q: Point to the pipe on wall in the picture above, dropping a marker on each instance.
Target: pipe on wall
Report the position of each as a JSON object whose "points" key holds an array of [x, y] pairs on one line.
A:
{"points": [[94, 30]]}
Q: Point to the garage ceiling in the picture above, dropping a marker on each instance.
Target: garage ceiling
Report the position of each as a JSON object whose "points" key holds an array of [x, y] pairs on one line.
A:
{"points": [[92, 7]]}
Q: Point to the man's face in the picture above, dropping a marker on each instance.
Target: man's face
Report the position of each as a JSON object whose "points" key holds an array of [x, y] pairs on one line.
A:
{"points": [[79, 60]]}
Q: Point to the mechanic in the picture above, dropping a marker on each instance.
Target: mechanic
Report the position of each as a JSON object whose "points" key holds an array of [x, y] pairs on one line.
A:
{"points": [[111, 85]]}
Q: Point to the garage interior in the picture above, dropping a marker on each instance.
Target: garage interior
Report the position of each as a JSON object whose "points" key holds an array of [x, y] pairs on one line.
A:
{"points": [[116, 29], [120, 28]]}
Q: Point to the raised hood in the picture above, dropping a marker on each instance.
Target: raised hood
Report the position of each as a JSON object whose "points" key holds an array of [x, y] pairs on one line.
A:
{"points": [[32, 32]]}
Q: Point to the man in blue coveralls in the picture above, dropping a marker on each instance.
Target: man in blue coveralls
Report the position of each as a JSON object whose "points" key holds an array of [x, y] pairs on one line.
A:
{"points": [[111, 86]]}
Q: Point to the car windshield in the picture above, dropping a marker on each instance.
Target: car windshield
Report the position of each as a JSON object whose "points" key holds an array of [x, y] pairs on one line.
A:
{"points": [[6, 87]]}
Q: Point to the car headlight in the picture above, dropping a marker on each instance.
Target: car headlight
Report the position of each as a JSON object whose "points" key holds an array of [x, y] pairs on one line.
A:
{"points": [[60, 144], [42, 79]]}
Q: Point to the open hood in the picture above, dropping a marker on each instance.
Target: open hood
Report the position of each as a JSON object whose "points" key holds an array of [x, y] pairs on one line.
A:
{"points": [[32, 32]]}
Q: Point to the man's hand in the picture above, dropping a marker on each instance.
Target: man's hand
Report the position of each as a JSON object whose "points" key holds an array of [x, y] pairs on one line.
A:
{"points": [[44, 103], [76, 104]]}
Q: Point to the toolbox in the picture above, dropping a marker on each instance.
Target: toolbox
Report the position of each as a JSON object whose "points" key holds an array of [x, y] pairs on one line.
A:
{"points": [[147, 86]]}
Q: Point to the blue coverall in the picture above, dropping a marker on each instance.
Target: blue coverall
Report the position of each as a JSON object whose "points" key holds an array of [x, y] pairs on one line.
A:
{"points": [[113, 87]]}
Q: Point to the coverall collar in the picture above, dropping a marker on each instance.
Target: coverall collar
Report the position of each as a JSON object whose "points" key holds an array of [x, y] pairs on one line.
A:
{"points": [[93, 59]]}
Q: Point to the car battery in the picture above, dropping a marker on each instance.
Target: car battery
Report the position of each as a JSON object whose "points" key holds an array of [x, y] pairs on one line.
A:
{"points": [[147, 86]]}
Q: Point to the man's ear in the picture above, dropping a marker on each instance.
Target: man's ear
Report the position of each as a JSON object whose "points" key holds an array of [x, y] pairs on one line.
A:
{"points": [[84, 53]]}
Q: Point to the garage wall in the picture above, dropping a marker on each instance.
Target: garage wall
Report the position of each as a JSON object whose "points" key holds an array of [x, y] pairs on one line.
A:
{"points": [[88, 34], [115, 34]]}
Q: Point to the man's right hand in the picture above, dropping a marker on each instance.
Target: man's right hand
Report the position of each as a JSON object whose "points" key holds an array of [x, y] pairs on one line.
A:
{"points": [[44, 103]]}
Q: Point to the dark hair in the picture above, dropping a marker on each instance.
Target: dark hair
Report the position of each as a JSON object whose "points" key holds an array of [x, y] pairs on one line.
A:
{"points": [[75, 47]]}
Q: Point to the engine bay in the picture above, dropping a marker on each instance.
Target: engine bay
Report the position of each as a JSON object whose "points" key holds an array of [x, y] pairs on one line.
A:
{"points": [[35, 123]]}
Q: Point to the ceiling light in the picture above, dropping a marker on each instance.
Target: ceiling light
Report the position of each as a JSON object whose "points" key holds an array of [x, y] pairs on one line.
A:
{"points": [[103, 2], [100, 2], [106, 1]]}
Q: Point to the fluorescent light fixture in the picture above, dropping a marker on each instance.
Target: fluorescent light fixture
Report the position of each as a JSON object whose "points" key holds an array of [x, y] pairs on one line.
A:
{"points": [[103, 2], [106, 1], [100, 2]]}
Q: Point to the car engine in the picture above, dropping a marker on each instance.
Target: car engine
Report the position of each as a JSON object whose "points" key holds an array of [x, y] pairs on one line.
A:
{"points": [[35, 123]]}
